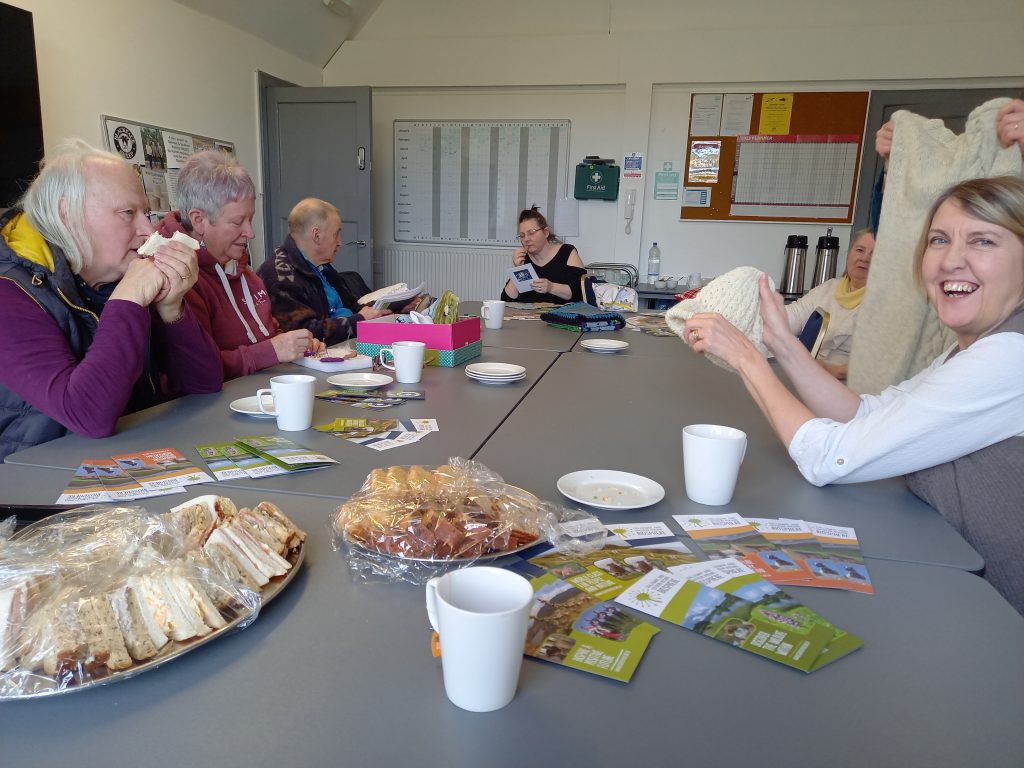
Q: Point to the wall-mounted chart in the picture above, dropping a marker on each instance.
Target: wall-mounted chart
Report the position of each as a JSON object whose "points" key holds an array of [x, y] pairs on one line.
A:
{"points": [[465, 181]]}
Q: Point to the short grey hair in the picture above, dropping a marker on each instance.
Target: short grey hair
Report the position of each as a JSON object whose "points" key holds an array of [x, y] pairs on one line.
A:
{"points": [[309, 213], [55, 201], [208, 181]]}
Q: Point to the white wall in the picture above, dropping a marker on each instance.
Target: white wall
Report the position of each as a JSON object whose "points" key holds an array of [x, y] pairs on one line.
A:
{"points": [[623, 72], [157, 62]]}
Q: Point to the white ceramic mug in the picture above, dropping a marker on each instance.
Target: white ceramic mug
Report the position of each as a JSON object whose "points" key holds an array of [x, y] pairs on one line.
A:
{"points": [[712, 456], [493, 311], [293, 401], [481, 615], [406, 358]]}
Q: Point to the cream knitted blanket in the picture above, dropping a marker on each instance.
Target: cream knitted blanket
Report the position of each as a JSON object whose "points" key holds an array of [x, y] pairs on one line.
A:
{"points": [[897, 332]]}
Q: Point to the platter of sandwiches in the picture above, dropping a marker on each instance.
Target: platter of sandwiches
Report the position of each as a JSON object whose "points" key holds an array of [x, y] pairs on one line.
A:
{"points": [[100, 594], [438, 516]]}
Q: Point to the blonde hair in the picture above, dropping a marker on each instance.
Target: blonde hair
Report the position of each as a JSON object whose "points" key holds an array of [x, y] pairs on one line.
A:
{"points": [[55, 201], [998, 201]]}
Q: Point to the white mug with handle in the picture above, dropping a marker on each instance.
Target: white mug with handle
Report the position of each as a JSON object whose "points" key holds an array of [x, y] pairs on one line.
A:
{"points": [[406, 360], [712, 455], [480, 615], [293, 401], [494, 313]]}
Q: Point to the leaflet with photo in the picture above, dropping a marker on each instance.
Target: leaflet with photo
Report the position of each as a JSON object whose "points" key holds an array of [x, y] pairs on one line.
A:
{"points": [[85, 487], [575, 629], [783, 636], [609, 570], [730, 535], [284, 453], [161, 468], [835, 558], [733, 576], [354, 393], [220, 460]]}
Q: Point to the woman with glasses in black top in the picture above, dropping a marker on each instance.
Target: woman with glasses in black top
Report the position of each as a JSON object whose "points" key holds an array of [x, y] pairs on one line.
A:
{"points": [[558, 265]]}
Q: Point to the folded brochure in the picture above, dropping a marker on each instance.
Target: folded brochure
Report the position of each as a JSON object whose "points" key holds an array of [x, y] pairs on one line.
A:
{"points": [[573, 628], [727, 601]]}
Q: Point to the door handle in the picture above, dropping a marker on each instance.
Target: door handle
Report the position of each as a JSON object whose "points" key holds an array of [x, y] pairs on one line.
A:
{"points": [[361, 158], [360, 243]]}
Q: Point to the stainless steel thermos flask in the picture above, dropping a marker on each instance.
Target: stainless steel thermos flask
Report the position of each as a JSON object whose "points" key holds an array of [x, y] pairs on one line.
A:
{"points": [[796, 258], [825, 258]]}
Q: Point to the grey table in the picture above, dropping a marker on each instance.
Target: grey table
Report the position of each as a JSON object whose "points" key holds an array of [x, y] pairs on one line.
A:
{"points": [[522, 334], [627, 413], [339, 673], [467, 413]]}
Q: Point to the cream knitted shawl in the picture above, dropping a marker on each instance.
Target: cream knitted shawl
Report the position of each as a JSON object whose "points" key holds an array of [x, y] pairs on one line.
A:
{"points": [[897, 331]]}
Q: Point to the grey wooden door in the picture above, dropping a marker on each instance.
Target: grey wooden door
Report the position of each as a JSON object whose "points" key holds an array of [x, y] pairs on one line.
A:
{"points": [[318, 143]]}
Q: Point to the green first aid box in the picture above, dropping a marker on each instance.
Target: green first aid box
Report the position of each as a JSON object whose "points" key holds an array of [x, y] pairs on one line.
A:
{"points": [[597, 182]]}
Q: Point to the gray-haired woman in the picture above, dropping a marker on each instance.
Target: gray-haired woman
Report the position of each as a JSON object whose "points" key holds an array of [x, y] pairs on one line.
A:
{"points": [[88, 330], [216, 203]]}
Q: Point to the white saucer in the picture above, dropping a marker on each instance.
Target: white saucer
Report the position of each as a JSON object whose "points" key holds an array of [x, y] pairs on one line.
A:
{"points": [[495, 370], [496, 379], [360, 380], [249, 407], [610, 489], [606, 346]]}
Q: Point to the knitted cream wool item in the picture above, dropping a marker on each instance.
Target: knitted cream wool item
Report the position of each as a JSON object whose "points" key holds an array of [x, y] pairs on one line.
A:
{"points": [[735, 297], [897, 332]]}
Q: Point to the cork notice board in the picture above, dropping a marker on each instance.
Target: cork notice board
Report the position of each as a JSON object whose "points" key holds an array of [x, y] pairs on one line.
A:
{"points": [[773, 156]]}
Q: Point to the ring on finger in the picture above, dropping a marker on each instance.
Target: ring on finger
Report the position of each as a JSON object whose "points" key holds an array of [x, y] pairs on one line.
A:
{"points": [[695, 334]]}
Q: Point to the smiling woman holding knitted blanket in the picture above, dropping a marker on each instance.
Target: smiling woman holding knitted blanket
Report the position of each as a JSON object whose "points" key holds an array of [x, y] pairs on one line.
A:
{"points": [[956, 429]]}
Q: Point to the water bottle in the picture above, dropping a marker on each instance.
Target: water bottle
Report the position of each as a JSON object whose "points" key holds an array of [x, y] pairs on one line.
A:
{"points": [[653, 264]]}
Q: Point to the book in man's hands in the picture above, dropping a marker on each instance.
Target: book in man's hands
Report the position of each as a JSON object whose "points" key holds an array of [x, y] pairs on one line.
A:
{"points": [[394, 297]]}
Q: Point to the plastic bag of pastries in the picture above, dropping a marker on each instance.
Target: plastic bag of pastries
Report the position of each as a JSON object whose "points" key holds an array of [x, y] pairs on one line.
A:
{"points": [[411, 523]]}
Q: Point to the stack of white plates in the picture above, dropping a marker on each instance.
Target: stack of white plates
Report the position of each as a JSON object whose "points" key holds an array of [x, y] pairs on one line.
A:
{"points": [[495, 373], [606, 346]]}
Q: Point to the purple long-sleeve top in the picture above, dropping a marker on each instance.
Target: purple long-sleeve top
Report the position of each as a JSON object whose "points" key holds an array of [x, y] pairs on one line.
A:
{"points": [[88, 396]]}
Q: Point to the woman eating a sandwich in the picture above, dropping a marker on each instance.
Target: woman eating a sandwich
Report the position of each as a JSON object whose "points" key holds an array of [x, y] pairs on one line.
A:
{"points": [[216, 203], [88, 330], [956, 429]]}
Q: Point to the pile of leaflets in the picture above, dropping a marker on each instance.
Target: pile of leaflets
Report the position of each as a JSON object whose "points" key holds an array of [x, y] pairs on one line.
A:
{"points": [[793, 552], [260, 456], [380, 434], [127, 476], [372, 398], [727, 601]]}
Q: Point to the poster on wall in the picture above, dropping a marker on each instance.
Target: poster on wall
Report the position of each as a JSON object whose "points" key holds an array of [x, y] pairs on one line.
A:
{"points": [[157, 154]]}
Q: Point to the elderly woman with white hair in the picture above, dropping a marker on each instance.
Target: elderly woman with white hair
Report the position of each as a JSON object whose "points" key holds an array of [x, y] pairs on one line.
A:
{"points": [[88, 329], [216, 203]]}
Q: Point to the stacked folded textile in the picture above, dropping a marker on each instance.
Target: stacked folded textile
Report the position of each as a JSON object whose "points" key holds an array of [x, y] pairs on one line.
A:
{"points": [[583, 317]]}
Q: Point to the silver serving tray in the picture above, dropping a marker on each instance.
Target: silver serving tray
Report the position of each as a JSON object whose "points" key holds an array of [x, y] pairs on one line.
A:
{"points": [[46, 686]]}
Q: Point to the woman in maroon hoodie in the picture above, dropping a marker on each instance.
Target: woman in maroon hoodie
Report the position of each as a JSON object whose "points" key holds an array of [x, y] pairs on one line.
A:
{"points": [[216, 203]]}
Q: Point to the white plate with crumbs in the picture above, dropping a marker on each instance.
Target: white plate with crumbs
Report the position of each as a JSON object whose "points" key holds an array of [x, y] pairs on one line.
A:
{"points": [[250, 407], [359, 380], [606, 346], [610, 489]]}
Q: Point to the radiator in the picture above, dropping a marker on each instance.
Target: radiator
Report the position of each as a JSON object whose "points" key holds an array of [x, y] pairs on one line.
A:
{"points": [[471, 274]]}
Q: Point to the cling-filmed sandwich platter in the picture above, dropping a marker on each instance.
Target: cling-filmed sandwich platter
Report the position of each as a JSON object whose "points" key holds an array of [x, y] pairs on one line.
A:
{"points": [[101, 594]]}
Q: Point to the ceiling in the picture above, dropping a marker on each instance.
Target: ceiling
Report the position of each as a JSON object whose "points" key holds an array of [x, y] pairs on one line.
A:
{"points": [[304, 28]]}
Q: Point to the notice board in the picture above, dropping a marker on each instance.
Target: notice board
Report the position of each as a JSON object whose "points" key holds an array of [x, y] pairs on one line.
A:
{"points": [[464, 182], [773, 156], [157, 154]]}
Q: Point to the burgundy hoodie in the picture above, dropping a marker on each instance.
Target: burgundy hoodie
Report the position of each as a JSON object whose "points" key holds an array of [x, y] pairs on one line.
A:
{"points": [[211, 306]]}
